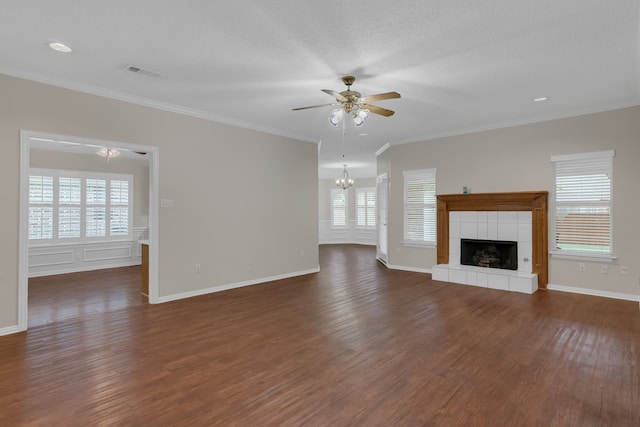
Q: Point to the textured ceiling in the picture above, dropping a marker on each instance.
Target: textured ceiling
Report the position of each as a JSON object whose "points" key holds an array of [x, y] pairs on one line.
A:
{"points": [[460, 65]]}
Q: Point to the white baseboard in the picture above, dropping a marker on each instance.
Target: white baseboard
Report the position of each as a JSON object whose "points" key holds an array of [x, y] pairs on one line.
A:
{"points": [[87, 268], [594, 292], [405, 268], [220, 288], [342, 242], [9, 330]]}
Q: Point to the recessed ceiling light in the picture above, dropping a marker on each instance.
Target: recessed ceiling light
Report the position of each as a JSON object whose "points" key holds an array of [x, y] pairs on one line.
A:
{"points": [[363, 134], [541, 99], [60, 47]]}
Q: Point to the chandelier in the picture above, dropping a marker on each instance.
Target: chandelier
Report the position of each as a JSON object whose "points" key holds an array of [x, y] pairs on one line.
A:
{"points": [[108, 153], [344, 181]]}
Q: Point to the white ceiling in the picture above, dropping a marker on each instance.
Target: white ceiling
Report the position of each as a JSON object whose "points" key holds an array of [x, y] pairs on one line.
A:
{"points": [[460, 65]]}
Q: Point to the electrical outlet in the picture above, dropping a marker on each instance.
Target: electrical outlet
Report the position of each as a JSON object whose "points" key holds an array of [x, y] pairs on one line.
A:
{"points": [[197, 268], [624, 269], [581, 266], [604, 269]]}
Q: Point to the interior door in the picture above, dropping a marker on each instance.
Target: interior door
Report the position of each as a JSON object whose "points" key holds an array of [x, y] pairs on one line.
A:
{"points": [[382, 199]]}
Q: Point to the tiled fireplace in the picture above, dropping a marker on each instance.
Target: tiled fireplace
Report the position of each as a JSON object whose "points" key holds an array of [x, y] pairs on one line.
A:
{"points": [[517, 222], [507, 226]]}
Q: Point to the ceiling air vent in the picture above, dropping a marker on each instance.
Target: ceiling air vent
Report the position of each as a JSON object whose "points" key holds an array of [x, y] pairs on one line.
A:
{"points": [[140, 70]]}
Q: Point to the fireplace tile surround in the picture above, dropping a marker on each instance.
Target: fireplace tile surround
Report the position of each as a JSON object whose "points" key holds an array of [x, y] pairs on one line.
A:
{"points": [[510, 226], [490, 225], [518, 216]]}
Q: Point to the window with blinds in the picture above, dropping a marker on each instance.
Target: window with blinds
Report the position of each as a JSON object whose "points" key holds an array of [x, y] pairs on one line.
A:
{"points": [[69, 199], [96, 212], [338, 208], [40, 207], [365, 207], [420, 207], [583, 187], [119, 208], [78, 206]]}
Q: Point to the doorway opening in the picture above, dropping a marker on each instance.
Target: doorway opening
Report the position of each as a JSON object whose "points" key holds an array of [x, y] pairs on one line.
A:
{"points": [[63, 143]]}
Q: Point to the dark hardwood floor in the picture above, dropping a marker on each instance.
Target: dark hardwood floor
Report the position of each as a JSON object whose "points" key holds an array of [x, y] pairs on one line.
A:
{"points": [[69, 296], [353, 345]]}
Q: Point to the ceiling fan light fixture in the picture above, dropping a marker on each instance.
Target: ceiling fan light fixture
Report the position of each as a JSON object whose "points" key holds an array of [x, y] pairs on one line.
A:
{"points": [[108, 153], [351, 103], [360, 116], [336, 117]]}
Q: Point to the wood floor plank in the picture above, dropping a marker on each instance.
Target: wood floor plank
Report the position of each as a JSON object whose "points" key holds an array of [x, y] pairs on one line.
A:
{"points": [[356, 344]]}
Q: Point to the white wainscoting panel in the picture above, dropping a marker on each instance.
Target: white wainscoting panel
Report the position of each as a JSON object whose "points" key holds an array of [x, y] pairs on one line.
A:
{"points": [[45, 260], [50, 258], [108, 253], [346, 235]]}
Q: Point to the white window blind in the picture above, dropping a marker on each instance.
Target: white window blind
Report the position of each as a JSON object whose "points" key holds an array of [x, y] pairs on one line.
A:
{"points": [[365, 207], [583, 202], [78, 206], [338, 208], [420, 207]]}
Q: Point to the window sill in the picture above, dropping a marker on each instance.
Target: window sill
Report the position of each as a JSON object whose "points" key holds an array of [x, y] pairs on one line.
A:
{"points": [[608, 258], [78, 243], [410, 244]]}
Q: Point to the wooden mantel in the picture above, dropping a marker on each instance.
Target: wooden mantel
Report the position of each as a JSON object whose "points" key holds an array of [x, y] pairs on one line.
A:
{"points": [[534, 201]]}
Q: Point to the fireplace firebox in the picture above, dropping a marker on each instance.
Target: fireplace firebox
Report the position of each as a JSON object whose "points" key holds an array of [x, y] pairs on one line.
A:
{"points": [[489, 253]]}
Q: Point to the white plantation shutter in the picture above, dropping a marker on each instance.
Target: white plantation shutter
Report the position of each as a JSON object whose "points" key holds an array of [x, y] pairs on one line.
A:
{"points": [[119, 211], [583, 202], [366, 207], [78, 206], [338, 208], [40, 207], [96, 201], [69, 199], [420, 207]]}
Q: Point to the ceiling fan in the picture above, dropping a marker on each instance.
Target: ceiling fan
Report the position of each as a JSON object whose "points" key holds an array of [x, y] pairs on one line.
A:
{"points": [[354, 104]]}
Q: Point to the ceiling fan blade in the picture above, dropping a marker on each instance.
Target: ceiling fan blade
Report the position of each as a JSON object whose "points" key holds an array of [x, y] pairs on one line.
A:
{"points": [[381, 96], [335, 94], [312, 106], [378, 110]]}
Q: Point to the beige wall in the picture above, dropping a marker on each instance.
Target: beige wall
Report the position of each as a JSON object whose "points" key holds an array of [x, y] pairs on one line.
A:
{"points": [[235, 212], [518, 159], [93, 163]]}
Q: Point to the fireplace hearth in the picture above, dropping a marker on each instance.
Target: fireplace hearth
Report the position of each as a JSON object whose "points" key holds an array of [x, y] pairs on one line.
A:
{"points": [[489, 253]]}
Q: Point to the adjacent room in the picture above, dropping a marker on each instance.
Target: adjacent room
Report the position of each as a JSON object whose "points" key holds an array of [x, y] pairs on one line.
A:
{"points": [[319, 213]]}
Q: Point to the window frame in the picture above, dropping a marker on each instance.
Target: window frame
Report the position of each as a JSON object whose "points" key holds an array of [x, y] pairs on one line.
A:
{"points": [[108, 177], [333, 208], [602, 163], [412, 175]]}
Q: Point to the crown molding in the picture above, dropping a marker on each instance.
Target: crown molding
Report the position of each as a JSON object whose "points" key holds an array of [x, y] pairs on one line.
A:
{"points": [[524, 121], [382, 149], [150, 103]]}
